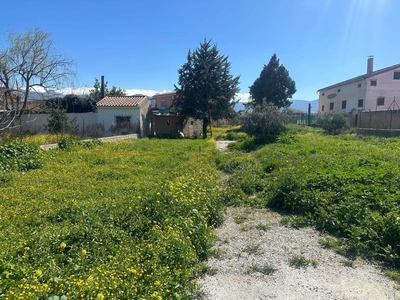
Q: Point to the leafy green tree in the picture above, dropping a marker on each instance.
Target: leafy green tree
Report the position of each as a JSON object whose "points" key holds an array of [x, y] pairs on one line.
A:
{"points": [[30, 63], [265, 122], [72, 103], [95, 93], [273, 86], [207, 88], [59, 122]]}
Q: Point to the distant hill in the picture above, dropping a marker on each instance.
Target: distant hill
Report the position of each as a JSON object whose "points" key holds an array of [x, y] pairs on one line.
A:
{"points": [[303, 105], [296, 104]]}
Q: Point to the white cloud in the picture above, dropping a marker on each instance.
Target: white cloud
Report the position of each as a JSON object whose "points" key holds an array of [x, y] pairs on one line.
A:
{"points": [[143, 92], [242, 97]]}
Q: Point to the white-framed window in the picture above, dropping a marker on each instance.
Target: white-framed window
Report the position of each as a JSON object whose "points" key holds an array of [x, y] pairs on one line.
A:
{"points": [[374, 82]]}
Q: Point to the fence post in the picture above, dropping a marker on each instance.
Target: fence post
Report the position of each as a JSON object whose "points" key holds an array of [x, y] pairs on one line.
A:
{"points": [[370, 115]]}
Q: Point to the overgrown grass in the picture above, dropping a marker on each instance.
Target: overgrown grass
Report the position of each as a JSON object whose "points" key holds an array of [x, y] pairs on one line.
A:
{"points": [[345, 185], [125, 220]]}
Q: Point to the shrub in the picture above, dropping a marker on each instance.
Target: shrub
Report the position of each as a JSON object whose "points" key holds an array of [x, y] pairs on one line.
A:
{"points": [[333, 122], [59, 122], [19, 157], [265, 122]]}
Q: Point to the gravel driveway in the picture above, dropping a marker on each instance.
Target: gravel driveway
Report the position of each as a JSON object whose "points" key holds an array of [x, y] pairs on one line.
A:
{"points": [[255, 256]]}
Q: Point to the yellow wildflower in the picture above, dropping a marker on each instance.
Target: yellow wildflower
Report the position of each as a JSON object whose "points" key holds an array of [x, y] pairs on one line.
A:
{"points": [[100, 296]]}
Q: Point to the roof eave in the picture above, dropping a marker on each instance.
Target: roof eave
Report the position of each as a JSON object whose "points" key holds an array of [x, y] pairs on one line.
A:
{"points": [[361, 77]]}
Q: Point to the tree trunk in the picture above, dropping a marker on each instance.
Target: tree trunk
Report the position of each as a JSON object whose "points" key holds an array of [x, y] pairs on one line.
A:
{"points": [[205, 123]]}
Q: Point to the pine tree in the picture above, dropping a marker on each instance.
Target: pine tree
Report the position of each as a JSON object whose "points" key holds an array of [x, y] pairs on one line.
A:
{"points": [[207, 88], [274, 85]]}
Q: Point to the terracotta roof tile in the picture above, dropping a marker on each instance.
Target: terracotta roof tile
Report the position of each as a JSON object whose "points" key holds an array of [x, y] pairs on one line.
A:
{"points": [[121, 101]]}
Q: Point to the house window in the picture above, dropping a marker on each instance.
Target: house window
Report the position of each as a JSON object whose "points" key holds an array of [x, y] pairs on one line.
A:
{"points": [[323, 94], [121, 120], [373, 82], [323, 108], [360, 102], [168, 122], [163, 103], [344, 103], [338, 90], [172, 97], [331, 105], [359, 85], [396, 75], [380, 101]]}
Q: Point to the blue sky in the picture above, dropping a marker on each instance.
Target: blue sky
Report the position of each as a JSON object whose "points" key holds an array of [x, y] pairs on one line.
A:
{"points": [[139, 45]]}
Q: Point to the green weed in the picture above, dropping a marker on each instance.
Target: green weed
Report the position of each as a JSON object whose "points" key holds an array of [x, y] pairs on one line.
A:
{"points": [[299, 261], [264, 269]]}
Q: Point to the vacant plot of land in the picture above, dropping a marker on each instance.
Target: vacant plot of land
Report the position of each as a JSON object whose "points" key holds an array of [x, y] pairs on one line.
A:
{"points": [[258, 258]]}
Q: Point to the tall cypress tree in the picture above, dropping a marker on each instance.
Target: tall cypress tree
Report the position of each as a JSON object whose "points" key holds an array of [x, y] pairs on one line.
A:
{"points": [[274, 85], [207, 88]]}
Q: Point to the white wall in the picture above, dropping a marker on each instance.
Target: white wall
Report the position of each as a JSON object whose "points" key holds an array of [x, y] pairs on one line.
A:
{"points": [[106, 116], [37, 123], [349, 92], [386, 87]]}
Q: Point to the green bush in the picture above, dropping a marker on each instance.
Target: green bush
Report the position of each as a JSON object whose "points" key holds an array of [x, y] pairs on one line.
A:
{"points": [[333, 122], [265, 122]]}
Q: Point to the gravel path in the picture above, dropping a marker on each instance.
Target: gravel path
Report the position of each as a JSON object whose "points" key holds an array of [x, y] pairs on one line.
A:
{"points": [[253, 256]]}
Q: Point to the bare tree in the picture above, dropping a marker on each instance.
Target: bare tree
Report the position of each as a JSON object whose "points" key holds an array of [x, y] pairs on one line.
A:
{"points": [[29, 64]]}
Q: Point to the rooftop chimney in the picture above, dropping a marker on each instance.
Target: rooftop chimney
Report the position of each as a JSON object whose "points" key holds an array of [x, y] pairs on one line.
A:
{"points": [[102, 87], [370, 64]]}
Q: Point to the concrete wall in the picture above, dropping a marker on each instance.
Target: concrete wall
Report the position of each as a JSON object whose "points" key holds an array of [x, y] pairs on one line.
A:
{"points": [[193, 128], [384, 119], [37, 123], [144, 113]]}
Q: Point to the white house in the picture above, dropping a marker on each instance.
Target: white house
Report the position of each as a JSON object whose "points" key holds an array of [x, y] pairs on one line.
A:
{"points": [[123, 114], [375, 90]]}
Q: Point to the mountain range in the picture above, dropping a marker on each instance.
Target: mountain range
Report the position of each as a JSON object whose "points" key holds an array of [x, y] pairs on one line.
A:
{"points": [[301, 105]]}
